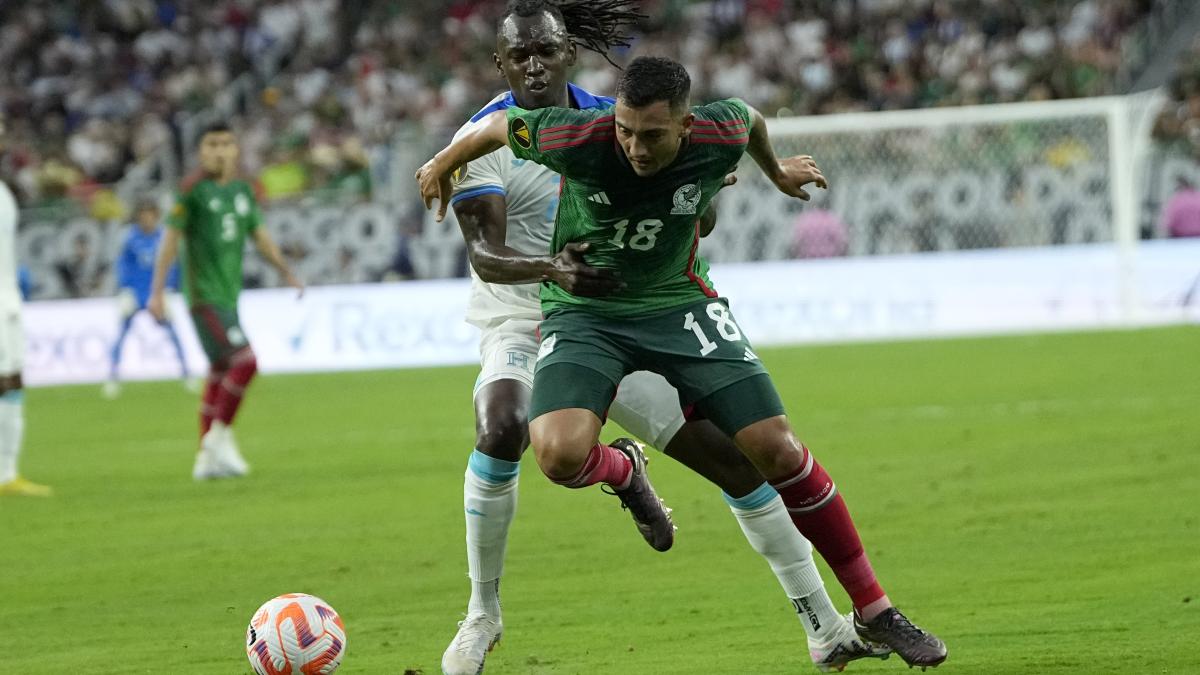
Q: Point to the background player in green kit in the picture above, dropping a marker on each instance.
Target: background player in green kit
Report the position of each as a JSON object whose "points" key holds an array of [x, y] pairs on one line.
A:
{"points": [[213, 214], [635, 176]]}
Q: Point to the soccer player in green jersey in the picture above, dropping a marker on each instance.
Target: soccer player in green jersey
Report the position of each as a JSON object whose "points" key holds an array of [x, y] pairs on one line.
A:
{"points": [[505, 209], [214, 212], [635, 177]]}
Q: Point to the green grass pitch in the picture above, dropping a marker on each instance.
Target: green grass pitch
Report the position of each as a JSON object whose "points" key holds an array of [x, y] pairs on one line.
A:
{"points": [[1033, 500]]}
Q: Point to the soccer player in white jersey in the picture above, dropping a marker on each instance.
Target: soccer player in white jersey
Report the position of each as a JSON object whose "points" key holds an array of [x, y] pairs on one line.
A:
{"points": [[506, 209], [12, 357]]}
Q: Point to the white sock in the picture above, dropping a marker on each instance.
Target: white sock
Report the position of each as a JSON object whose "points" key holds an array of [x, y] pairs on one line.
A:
{"points": [[490, 502], [12, 429], [218, 429], [817, 614], [770, 530]]}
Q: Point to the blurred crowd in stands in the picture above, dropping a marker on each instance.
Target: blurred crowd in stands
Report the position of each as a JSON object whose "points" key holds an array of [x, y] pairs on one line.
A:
{"points": [[1178, 128], [1178, 124], [91, 90]]}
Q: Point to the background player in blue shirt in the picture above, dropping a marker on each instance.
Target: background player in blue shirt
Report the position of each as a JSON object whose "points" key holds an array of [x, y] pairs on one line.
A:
{"points": [[135, 270]]}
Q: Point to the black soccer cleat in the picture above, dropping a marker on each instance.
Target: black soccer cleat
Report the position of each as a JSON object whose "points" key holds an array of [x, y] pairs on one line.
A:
{"points": [[652, 517], [915, 646]]}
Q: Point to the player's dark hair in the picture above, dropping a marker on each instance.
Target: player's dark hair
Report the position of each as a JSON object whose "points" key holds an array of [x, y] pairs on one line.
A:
{"points": [[218, 127], [650, 79], [598, 25]]}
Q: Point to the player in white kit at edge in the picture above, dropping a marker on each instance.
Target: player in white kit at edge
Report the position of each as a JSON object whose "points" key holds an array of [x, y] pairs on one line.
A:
{"points": [[12, 358], [506, 209]]}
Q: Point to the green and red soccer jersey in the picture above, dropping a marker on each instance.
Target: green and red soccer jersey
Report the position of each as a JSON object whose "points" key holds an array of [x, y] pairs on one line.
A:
{"points": [[646, 228], [214, 219]]}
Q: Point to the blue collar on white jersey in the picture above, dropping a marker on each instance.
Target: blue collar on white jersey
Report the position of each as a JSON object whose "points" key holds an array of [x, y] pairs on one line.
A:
{"points": [[582, 99]]}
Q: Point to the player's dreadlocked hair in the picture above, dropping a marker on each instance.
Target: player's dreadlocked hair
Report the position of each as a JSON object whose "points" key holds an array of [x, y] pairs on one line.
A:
{"points": [[598, 25]]}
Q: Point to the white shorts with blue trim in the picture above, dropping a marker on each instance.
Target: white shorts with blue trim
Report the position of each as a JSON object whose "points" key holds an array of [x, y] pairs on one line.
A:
{"points": [[508, 351]]}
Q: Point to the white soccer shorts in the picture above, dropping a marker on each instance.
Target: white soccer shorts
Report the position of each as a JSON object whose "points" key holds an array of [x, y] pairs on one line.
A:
{"points": [[646, 405], [508, 351], [12, 341]]}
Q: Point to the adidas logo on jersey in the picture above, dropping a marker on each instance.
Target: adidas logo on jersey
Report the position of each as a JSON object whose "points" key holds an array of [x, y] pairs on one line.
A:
{"points": [[600, 198], [749, 355]]}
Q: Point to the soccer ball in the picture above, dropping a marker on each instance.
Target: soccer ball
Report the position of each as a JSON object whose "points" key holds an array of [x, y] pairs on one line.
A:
{"points": [[295, 634]]}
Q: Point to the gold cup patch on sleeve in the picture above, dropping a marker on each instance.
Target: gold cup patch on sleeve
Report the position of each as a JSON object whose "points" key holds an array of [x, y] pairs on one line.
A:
{"points": [[520, 133]]}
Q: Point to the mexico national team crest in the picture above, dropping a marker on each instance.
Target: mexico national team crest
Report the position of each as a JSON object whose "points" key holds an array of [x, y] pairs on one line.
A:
{"points": [[687, 199], [241, 204], [520, 133]]}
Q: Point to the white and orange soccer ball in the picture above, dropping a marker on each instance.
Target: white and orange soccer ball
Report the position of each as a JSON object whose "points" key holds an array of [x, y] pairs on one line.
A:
{"points": [[295, 634]]}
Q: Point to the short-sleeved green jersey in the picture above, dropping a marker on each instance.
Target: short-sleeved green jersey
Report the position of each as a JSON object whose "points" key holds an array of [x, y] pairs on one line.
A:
{"points": [[646, 228], [215, 220]]}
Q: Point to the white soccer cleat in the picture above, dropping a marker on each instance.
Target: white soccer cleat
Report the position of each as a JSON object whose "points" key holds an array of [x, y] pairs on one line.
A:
{"points": [[204, 469], [219, 456], [111, 389], [193, 384], [477, 635], [844, 646], [228, 454]]}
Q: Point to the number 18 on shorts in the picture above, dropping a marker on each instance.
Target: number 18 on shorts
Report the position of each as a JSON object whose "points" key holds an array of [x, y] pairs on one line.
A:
{"points": [[698, 347]]}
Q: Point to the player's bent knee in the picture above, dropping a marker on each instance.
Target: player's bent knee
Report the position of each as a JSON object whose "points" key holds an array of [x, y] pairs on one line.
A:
{"points": [[561, 441], [502, 419], [771, 446], [560, 456], [502, 437]]}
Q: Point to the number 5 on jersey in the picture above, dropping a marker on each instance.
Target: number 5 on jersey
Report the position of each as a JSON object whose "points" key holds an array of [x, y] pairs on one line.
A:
{"points": [[727, 328]]}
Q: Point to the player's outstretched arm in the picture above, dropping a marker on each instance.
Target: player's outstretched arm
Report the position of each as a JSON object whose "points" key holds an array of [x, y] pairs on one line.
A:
{"points": [[168, 249], [487, 135], [484, 224], [270, 252], [790, 174]]}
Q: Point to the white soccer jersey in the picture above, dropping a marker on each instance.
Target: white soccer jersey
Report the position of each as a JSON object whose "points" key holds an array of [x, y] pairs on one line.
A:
{"points": [[530, 193], [12, 336], [10, 293]]}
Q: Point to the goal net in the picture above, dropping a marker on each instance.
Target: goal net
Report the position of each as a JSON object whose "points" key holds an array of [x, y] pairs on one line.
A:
{"points": [[1025, 174]]}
